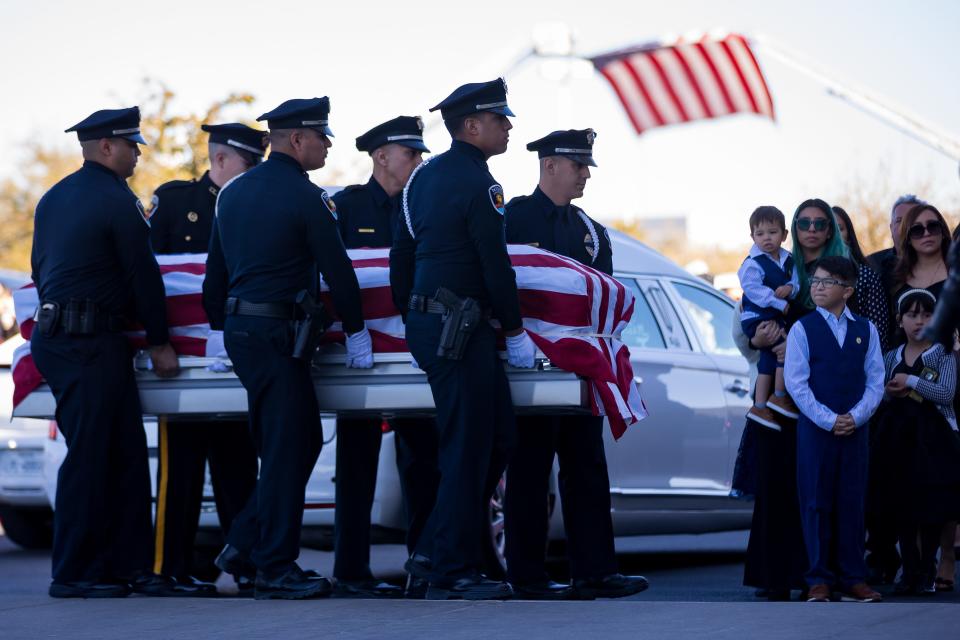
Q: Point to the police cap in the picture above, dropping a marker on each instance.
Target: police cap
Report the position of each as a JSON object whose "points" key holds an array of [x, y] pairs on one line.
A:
{"points": [[406, 131], [110, 123], [576, 144], [239, 136], [300, 113], [474, 98]]}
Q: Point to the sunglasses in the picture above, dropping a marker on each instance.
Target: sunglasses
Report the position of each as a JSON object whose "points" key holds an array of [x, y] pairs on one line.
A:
{"points": [[918, 230], [818, 224]]}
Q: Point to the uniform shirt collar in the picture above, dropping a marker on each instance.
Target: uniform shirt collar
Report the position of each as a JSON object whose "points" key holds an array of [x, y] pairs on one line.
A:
{"points": [[756, 251], [549, 207], [93, 164], [285, 159], [209, 185], [380, 196], [469, 150]]}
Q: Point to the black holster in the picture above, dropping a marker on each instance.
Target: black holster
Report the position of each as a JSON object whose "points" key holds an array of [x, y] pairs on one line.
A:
{"points": [[458, 322], [308, 330]]}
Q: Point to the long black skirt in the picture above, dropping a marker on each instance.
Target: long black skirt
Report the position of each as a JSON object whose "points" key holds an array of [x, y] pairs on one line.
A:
{"points": [[776, 556]]}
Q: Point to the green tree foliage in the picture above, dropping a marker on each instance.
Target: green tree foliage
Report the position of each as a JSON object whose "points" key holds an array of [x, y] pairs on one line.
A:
{"points": [[177, 150]]}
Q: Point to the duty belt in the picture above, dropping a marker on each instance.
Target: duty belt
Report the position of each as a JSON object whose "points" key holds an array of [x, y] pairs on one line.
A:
{"points": [[277, 310], [425, 304]]}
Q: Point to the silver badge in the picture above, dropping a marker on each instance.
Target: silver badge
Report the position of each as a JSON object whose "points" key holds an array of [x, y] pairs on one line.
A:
{"points": [[419, 122], [591, 136], [504, 82]]}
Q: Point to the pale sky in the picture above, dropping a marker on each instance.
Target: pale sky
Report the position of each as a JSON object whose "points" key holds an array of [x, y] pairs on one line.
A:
{"points": [[376, 60]]}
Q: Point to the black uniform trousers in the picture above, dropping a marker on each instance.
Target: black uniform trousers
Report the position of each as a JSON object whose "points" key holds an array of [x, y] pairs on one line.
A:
{"points": [[358, 454], [183, 449], [584, 484], [476, 437], [285, 426], [102, 527]]}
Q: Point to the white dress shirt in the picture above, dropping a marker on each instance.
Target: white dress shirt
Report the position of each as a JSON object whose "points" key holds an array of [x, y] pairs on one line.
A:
{"points": [[751, 281], [796, 372]]}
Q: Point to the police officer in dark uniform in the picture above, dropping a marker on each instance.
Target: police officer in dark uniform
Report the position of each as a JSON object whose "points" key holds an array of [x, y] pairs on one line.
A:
{"points": [[368, 215], [95, 273], [180, 222], [548, 220], [274, 230], [449, 258]]}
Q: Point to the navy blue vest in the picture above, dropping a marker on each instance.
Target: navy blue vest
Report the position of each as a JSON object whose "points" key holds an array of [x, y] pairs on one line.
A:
{"points": [[773, 277], [837, 376]]}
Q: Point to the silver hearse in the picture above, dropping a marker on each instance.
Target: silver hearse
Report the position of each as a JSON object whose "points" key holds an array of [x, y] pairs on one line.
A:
{"points": [[669, 474]]}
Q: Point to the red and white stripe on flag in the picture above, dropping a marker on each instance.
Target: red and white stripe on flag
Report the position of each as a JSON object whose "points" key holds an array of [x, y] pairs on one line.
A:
{"points": [[573, 313], [711, 77]]}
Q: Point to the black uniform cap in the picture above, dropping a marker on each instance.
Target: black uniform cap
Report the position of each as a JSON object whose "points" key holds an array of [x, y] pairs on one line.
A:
{"points": [[576, 144], [406, 131], [240, 136], [474, 98], [110, 123], [301, 113]]}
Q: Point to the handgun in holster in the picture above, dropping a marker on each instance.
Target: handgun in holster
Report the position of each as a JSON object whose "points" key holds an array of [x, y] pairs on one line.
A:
{"points": [[458, 322], [308, 330], [47, 318]]}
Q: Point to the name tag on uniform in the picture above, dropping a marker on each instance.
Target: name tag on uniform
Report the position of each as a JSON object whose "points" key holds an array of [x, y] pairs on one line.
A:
{"points": [[366, 230]]}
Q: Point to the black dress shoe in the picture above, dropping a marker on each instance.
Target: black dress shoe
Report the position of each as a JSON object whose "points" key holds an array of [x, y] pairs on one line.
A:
{"points": [[294, 584], [615, 585], [85, 589], [237, 563], [420, 566], [370, 588], [416, 588], [159, 586], [544, 590], [473, 587]]}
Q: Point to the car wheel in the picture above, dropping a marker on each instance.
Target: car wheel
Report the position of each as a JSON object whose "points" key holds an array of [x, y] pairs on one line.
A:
{"points": [[495, 563], [28, 527]]}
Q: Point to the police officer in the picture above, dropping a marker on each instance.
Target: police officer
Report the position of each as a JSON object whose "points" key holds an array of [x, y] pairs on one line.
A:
{"points": [[274, 230], [449, 256], [180, 222], [548, 220], [368, 215], [94, 272]]}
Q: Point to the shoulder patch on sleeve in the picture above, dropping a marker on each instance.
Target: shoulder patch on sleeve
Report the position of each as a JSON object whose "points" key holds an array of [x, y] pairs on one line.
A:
{"points": [[497, 198], [143, 212], [328, 201]]}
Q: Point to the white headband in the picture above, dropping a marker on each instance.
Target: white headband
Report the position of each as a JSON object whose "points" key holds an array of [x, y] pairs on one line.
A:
{"points": [[910, 292]]}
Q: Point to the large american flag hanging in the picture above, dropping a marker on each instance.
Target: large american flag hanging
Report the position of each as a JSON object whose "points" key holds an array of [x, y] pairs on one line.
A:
{"points": [[688, 80], [573, 313]]}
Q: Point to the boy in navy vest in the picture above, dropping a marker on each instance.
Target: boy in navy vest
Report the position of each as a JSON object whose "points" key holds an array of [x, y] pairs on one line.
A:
{"points": [[768, 280], [834, 371]]}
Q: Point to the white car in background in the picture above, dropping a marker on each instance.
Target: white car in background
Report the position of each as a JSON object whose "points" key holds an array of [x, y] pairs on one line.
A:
{"points": [[25, 512]]}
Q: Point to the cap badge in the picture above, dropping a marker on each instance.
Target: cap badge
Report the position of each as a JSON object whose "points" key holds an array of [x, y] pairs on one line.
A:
{"points": [[419, 123], [192, 216], [591, 136]]}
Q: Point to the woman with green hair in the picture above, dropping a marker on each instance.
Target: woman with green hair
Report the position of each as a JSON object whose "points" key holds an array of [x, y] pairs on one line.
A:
{"points": [[815, 235], [776, 557]]}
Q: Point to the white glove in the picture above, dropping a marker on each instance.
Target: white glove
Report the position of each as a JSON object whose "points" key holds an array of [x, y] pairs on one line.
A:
{"points": [[521, 351], [215, 349], [360, 350]]}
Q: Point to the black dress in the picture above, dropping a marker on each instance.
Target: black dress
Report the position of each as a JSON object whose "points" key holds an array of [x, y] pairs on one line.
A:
{"points": [[914, 461]]}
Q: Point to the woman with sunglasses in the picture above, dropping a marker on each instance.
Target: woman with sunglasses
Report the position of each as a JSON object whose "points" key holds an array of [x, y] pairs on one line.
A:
{"points": [[776, 556], [922, 264], [869, 300]]}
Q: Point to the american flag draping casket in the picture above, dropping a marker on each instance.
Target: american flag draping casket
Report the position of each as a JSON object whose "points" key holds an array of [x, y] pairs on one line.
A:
{"points": [[574, 314]]}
